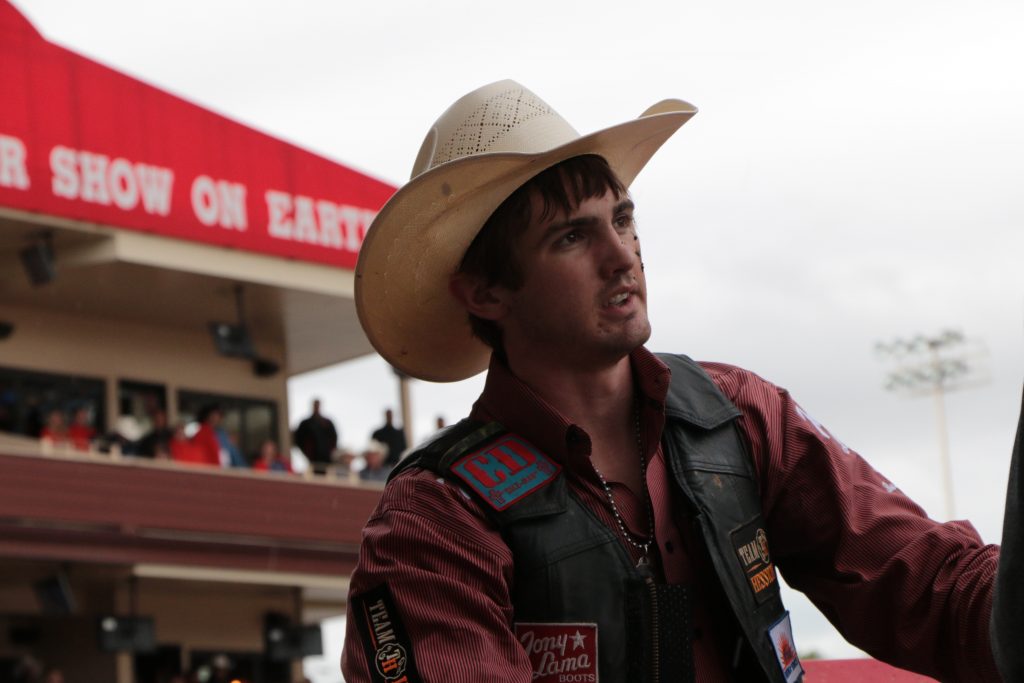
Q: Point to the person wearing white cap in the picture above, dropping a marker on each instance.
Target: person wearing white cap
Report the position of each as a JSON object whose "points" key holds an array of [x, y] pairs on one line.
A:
{"points": [[605, 513]]}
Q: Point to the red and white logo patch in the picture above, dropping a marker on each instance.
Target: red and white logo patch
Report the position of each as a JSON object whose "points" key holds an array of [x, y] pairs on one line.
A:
{"points": [[560, 653]]}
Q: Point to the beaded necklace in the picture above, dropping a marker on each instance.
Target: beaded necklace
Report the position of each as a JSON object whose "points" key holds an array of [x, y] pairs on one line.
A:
{"points": [[644, 544]]}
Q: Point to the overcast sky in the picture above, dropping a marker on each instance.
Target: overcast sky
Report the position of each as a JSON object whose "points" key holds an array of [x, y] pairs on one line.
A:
{"points": [[854, 175]]}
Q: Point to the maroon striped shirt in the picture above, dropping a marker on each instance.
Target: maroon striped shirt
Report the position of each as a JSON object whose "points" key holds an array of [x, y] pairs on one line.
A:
{"points": [[906, 589]]}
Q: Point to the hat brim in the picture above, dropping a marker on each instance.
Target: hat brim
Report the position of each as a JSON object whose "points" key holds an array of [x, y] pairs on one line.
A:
{"points": [[418, 239]]}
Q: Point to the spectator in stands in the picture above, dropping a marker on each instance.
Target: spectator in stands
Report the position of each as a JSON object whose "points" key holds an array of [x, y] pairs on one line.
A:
{"points": [[271, 459], [81, 433], [342, 460], [184, 450], [317, 438], [55, 431], [392, 437], [27, 669], [377, 468], [157, 440], [229, 448], [206, 439]]}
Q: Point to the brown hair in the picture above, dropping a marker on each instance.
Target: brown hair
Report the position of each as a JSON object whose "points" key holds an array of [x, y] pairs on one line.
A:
{"points": [[493, 255]]}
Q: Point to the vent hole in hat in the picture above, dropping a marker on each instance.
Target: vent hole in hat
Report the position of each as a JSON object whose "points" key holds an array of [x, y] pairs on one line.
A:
{"points": [[489, 122]]}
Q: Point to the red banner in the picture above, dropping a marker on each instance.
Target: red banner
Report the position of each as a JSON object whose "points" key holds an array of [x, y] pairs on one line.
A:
{"points": [[81, 141]]}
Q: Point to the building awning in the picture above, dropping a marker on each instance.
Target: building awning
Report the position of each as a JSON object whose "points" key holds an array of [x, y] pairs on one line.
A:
{"points": [[81, 141], [157, 209]]}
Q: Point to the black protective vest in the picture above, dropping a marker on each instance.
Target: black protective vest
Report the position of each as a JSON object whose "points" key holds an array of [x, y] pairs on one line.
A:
{"points": [[570, 567]]}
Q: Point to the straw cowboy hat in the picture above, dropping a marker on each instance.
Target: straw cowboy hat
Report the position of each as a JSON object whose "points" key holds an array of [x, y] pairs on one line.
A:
{"points": [[482, 149]]}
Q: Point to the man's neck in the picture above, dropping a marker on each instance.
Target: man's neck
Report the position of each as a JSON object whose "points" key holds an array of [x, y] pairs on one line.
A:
{"points": [[593, 397]]}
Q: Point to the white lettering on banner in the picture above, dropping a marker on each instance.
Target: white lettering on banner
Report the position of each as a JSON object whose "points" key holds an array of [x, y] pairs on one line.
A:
{"points": [[123, 188], [316, 221], [279, 205], [219, 203], [93, 171], [12, 163], [94, 178], [156, 183], [65, 178], [305, 221]]}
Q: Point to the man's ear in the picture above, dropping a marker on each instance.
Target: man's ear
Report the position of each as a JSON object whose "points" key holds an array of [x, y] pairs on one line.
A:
{"points": [[482, 300]]}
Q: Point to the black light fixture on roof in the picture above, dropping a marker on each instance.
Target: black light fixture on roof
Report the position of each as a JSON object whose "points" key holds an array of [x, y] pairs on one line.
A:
{"points": [[234, 341], [39, 260]]}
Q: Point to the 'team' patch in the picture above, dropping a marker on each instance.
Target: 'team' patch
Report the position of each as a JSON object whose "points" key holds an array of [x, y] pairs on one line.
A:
{"points": [[506, 471]]}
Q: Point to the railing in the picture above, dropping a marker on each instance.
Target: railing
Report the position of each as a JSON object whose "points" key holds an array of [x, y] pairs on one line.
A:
{"points": [[74, 506]]}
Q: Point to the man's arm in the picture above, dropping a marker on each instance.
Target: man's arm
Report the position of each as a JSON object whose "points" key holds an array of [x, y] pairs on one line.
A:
{"points": [[432, 564], [906, 589], [1008, 608]]}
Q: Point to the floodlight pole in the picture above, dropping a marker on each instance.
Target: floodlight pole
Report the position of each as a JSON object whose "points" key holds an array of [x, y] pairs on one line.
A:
{"points": [[937, 375], [939, 393]]}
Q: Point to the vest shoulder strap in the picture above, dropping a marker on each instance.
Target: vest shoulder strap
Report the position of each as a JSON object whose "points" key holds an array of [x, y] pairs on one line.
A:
{"points": [[510, 476]]}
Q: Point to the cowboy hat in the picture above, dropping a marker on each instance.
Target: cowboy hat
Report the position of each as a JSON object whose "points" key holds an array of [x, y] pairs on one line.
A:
{"points": [[484, 147]]}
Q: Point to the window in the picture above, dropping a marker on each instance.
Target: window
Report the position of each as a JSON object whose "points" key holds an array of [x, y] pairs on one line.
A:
{"points": [[28, 399], [249, 422]]}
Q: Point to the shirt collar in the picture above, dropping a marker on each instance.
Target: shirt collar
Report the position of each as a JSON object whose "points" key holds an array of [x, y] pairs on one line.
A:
{"points": [[510, 401]]}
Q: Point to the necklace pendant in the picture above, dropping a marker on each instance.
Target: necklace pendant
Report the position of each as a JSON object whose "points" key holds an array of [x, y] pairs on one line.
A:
{"points": [[645, 561], [643, 567]]}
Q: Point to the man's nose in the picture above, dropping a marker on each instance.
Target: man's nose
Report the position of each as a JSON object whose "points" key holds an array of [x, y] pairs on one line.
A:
{"points": [[621, 250]]}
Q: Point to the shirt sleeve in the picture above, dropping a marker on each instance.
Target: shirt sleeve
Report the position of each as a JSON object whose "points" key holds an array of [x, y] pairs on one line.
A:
{"points": [[448, 575], [906, 589]]}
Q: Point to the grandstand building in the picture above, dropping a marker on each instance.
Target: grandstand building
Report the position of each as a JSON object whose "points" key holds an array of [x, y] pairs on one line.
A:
{"points": [[156, 256]]}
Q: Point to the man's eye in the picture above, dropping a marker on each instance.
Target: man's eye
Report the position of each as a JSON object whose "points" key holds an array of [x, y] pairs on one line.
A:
{"points": [[624, 222], [570, 237]]}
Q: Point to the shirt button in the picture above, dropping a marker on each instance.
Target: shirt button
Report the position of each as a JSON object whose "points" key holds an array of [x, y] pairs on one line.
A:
{"points": [[669, 547]]}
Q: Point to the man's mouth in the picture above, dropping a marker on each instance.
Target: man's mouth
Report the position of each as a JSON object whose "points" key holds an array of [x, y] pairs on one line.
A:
{"points": [[618, 299]]}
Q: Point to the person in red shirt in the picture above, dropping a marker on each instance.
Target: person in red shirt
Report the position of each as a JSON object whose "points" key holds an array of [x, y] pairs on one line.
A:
{"points": [[605, 513], [205, 439], [183, 450], [81, 432], [270, 459], [55, 431]]}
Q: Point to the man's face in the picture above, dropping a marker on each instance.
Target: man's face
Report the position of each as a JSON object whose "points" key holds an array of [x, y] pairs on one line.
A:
{"points": [[584, 297]]}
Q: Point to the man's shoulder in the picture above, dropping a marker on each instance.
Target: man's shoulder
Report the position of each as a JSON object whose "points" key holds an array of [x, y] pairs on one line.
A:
{"points": [[735, 382], [430, 495]]}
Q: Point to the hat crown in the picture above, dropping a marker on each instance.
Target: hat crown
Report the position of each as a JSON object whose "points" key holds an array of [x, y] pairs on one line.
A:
{"points": [[501, 117]]}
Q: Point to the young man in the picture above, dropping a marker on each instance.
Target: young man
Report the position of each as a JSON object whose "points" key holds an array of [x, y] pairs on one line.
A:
{"points": [[606, 514]]}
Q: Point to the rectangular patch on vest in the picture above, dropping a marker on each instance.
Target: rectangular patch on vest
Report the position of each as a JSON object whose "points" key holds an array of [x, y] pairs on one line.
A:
{"points": [[781, 634], [751, 545], [560, 653], [389, 657], [506, 471]]}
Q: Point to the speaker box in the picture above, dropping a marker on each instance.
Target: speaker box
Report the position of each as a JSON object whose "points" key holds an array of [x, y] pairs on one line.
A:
{"points": [[131, 634], [38, 262], [54, 595]]}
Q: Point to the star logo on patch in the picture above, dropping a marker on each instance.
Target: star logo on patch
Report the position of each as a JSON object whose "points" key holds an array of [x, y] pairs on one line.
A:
{"points": [[577, 640]]}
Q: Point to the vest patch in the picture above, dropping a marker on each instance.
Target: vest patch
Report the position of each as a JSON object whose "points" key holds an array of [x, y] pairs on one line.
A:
{"points": [[781, 634], [560, 653], [751, 545], [387, 646], [506, 471]]}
